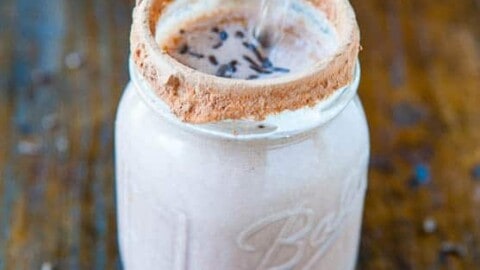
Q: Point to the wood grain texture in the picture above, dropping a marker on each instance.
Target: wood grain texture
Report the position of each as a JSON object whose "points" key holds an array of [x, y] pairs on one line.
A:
{"points": [[66, 65], [63, 66], [421, 90]]}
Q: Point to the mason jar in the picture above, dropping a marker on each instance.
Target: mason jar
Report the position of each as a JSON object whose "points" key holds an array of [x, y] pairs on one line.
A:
{"points": [[283, 190]]}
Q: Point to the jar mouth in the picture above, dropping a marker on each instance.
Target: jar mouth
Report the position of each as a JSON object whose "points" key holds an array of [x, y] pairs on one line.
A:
{"points": [[307, 25], [276, 126], [200, 98]]}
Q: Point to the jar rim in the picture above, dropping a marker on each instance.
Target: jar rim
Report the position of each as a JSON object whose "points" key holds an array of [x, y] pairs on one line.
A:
{"points": [[286, 124], [200, 98]]}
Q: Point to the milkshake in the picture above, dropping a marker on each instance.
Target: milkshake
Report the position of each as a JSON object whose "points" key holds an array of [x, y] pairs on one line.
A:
{"points": [[224, 45], [232, 156]]}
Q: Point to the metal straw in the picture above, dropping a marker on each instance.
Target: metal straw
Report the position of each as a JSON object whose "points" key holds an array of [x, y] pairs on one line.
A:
{"points": [[269, 28]]}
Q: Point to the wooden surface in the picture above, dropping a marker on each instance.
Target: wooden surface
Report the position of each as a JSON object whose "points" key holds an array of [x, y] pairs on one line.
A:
{"points": [[63, 65]]}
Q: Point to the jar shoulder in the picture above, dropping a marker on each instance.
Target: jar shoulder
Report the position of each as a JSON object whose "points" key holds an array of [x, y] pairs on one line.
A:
{"points": [[343, 140]]}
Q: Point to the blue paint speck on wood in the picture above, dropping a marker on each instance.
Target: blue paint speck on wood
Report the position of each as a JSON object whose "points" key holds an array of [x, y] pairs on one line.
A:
{"points": [[422, 175], [476, 172]]}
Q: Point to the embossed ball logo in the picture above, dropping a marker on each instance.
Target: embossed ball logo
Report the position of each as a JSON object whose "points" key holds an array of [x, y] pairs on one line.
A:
{"points": [[298, 230]]}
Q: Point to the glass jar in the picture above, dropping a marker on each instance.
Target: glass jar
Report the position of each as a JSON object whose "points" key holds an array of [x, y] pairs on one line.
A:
{"points": [[285, 192]]}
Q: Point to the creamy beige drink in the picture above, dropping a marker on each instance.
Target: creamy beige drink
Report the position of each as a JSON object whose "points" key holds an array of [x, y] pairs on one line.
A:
{"points": [[232, 158], [224, 45]]}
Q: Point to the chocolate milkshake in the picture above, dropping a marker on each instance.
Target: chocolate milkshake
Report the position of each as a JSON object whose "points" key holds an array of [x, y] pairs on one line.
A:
{"points": [[235, 156], [224, 45]]}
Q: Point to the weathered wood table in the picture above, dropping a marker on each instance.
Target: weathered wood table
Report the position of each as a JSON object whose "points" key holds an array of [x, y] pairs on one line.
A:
{"points": [[63, 65]]}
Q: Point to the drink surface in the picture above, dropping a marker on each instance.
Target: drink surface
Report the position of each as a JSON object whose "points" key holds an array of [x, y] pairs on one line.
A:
{"points": [[193, 199], [223, 44]]}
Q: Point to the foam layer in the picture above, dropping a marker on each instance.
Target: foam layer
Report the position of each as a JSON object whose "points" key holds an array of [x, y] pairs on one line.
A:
{"points": [[223, 45], [198, 97]]}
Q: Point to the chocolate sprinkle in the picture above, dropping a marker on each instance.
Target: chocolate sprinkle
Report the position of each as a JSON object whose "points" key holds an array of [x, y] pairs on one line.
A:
{"points": [[260, 70], [251, 61], [234, 62], [225, 71], [257, 62], [223, 35], [218, 45], [266, 63], [239, 34], [280, 69], [266, 67], [197, 55], [248, 45], [213, 60], [184, 49], [255, 50]]}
